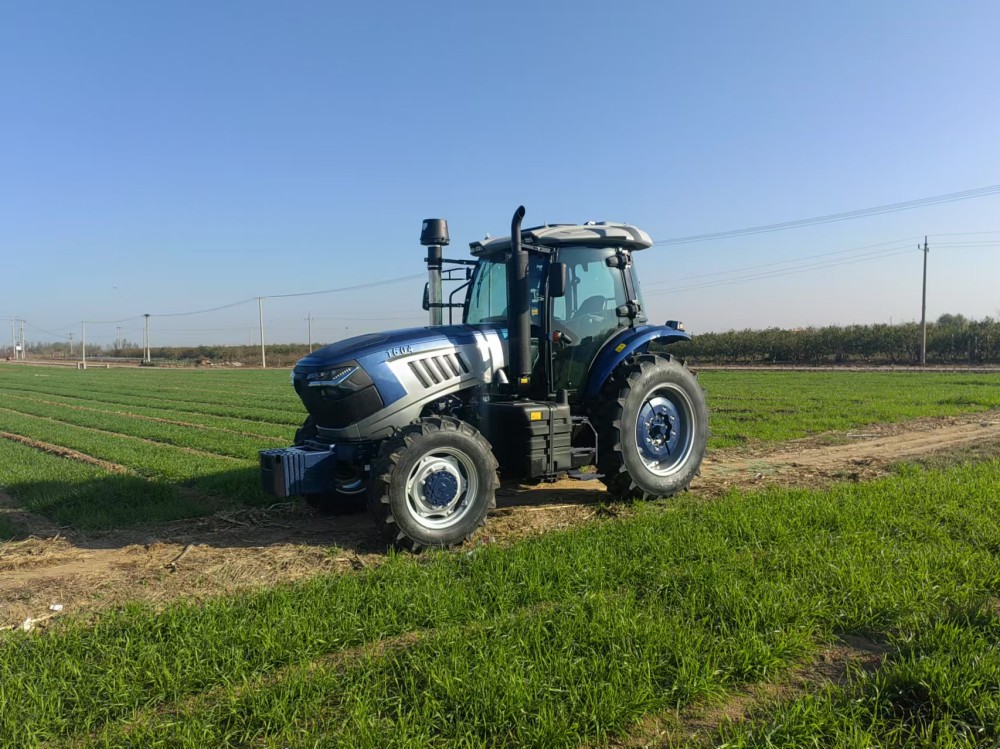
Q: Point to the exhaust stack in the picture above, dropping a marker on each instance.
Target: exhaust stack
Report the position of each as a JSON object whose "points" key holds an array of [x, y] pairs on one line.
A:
{"points": [[518, 309], [434, 236]]}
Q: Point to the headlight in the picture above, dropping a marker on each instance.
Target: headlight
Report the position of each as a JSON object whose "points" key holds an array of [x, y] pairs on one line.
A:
{"points": [[330, 377]]}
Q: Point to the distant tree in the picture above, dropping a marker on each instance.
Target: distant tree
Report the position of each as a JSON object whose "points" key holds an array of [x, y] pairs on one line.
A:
{"points": [[956, 321]]}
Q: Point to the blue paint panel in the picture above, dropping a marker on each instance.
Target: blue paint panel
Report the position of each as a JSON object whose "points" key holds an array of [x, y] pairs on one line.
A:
{"points": [[635, 340], [373, 350]]}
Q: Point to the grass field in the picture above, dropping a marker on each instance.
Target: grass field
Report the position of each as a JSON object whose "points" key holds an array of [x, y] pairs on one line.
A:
{"points": [[576, 638], [566, 639], [186, 441]]}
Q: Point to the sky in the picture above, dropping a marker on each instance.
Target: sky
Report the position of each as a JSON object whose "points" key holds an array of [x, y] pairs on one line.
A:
{"points": [[162, 158]]}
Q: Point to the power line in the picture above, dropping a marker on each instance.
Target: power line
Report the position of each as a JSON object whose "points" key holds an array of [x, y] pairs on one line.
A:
{"points": [[832, 217], [888, 252], [775, 274], [204, 311], [47, 332], [112, 322], [349, 288], [895, 243]]}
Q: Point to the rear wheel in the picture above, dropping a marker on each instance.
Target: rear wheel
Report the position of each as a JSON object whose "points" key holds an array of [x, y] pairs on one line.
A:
{"points": [[349, 495], [652, 421], [432, 484]]}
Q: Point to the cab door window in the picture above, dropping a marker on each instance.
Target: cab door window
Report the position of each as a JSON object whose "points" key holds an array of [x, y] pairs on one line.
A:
{"points": [[588, 312]]}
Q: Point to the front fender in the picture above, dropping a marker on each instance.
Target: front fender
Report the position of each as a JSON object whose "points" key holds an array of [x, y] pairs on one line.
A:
{"points": [[627, 342]]}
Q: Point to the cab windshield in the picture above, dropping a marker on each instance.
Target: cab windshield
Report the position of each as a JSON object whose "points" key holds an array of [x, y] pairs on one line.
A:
{"points": [[487, 299]]}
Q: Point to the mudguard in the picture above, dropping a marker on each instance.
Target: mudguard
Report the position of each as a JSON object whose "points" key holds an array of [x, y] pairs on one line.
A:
{"points": [[622, 345]]}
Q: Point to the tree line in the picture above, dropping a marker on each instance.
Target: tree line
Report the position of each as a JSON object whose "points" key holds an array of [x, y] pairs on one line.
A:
{"points": [[952, 339]]}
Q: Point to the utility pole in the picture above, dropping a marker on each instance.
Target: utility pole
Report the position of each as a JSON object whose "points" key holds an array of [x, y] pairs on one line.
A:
{"points": [[70, 344], [83, 344], [24, 351], [260, 314], [118, 338], [923, 307], [13, 338], [146, 354], [309, 318]]}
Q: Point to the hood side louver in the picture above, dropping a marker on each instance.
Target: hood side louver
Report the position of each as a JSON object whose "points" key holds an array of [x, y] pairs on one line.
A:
{"points": [[433, 370]]}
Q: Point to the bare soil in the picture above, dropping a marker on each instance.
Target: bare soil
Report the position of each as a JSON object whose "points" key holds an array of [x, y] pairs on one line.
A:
{"points": [[233, 551]]}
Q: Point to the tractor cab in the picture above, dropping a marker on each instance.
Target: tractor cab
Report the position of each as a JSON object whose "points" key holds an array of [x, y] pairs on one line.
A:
{"points": [[582, 291]]}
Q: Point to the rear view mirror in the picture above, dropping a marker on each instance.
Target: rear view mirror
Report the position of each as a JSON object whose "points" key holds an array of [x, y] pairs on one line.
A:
{"points": [[557, 280], [426, 304]]}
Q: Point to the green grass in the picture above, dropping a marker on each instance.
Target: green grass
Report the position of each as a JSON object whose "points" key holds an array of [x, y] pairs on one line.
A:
{"points": [[777, 406], [940, 690], [556, 641], [132, 407], [87, 497], [9, 529], [232, 414], [204, 439], [224, 403]]}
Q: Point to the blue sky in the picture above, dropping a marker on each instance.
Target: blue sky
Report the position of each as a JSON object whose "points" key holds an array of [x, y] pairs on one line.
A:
{"points": [[166, 157]]}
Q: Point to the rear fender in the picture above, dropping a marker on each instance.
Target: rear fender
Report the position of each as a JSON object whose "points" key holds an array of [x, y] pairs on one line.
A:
{"points": [[623, 345]]}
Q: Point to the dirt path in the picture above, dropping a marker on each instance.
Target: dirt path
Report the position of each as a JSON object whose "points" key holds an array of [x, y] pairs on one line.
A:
{"points": [[235, 551]]}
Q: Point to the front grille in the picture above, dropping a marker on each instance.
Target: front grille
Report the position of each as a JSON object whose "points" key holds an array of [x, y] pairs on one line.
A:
{"points": [[433, 370]]}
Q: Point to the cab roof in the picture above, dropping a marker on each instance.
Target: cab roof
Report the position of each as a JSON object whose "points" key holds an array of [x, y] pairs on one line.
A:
{"points": [[591, 234]]}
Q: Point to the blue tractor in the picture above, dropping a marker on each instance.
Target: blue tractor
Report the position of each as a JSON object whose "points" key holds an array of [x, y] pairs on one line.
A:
{"points": [[549, 372]]}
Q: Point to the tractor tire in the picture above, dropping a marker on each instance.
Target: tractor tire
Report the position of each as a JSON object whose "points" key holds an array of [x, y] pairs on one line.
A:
{"points": [[652, 422], [432, 484], [350, 499]]}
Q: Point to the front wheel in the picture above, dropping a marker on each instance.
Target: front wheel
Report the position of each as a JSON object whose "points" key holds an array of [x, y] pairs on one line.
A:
{"points": [[653, 428], [432, 484]]}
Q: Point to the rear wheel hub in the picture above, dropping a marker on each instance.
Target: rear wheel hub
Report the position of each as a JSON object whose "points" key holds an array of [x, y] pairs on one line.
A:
{"points": [[663, 431]]}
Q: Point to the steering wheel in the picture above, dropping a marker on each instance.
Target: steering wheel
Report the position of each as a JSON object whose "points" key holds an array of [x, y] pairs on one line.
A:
{"points": [[592, 308]]}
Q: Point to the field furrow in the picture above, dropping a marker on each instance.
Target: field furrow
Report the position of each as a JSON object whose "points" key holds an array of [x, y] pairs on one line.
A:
{"points": [[178, 397], [153, 460], [232, 412], [255, 429], [85, 496], [216, 442]]}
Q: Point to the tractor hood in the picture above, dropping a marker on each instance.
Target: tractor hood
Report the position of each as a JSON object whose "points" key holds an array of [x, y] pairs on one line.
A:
{"points": [[379, 347], [382, 364]]}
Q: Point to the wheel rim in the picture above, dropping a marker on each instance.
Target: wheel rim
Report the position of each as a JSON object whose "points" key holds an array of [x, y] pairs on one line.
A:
{"points": [[356, 486], [664, 430], [441, 488]]}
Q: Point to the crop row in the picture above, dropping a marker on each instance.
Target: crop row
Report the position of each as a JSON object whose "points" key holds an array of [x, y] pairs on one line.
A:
{"points": [[235, 478], [125, 406], [245, 412], [272, 384], [84, 496], [134, 382], [174, 395], [774, 406], [556, 641], [211, 441]]}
